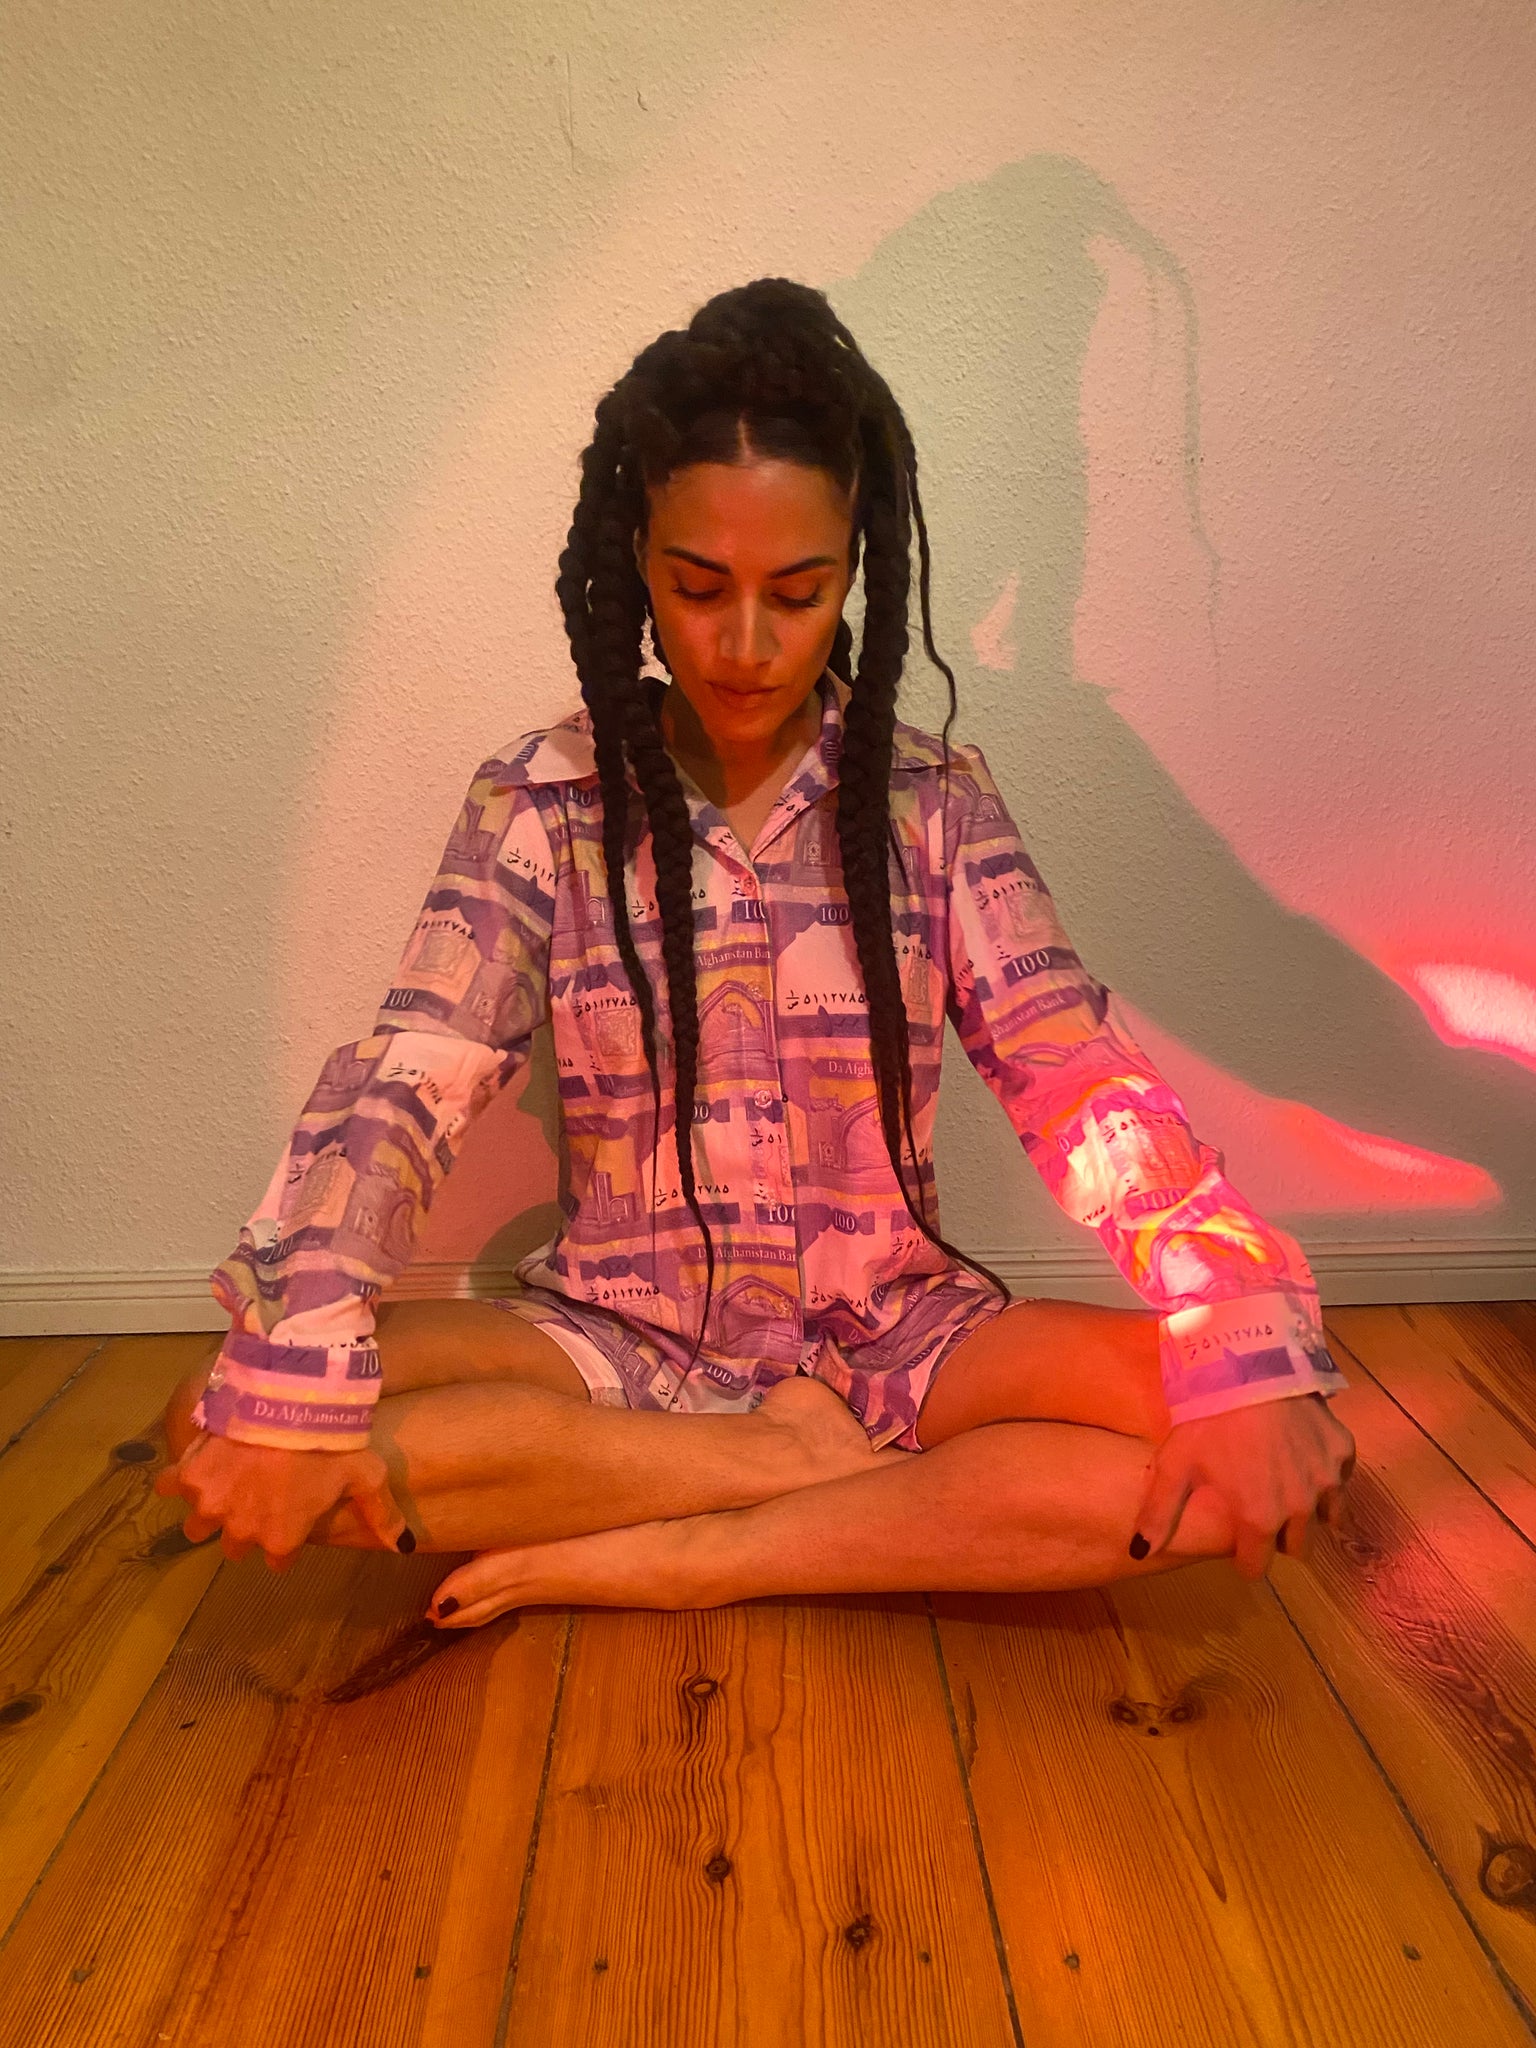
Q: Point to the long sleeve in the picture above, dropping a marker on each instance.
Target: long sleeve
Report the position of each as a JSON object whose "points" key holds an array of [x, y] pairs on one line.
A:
{"points": [[379, 1133], [1239, 1315]]}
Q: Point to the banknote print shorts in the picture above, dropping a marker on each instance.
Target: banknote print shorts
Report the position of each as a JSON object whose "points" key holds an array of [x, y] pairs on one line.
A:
{"points": [[612, 1388]]}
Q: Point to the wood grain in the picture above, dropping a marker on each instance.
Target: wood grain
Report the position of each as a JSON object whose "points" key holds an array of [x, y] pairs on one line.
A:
{"points": [[1168, 1794], [73, 1443], [1519, 1317], [32, 1370], [1465, 1377], [1422, 1612], [260, 1866], [1204, 1812], [97, 1585], [755, 1832]]}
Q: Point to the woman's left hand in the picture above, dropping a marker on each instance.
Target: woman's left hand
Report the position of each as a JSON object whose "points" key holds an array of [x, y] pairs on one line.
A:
{"points": [[1272, 1462]]}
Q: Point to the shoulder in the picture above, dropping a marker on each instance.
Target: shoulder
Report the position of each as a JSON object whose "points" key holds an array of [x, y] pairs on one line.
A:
{"points": [[961, 779], [517, 809], [551, 755]]}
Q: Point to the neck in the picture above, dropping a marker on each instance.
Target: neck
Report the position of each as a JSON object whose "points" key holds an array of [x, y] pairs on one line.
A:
{"points": [[728, 772]]}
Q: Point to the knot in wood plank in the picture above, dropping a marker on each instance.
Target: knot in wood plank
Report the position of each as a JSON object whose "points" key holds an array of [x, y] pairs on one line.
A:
{"points": [[1508, 1873]]}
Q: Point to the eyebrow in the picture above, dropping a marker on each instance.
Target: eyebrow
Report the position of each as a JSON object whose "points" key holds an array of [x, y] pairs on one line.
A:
{"points": [[721, 569]]}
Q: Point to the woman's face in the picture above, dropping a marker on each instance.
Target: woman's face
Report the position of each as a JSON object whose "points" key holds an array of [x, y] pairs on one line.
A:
{"points": [[747, 566]]}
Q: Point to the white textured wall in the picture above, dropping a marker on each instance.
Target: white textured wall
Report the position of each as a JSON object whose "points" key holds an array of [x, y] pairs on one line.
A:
{"points": [[1213, 328]]}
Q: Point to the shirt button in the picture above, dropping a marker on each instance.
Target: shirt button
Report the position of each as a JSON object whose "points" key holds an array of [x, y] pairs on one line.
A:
{"points": [[765, 1098]]}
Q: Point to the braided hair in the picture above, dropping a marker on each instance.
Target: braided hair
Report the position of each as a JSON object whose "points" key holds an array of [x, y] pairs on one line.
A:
{"points": [[766, 370]]}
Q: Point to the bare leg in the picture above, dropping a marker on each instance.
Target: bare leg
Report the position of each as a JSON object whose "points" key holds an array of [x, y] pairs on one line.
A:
{"points": [[498, 1464], [489, 1439], [1008, 1506]]}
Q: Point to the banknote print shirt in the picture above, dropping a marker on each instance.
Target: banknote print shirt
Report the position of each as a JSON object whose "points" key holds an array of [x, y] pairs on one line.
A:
{"points": [[818, 1264]]}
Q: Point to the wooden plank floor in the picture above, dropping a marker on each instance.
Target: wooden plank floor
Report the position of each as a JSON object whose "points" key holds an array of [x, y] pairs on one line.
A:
{"points": [[1185, 1809]]}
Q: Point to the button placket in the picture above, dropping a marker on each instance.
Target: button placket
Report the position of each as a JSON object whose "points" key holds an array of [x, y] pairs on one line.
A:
{"points": [[770, 1145], [735, 879], [777, 1131]]}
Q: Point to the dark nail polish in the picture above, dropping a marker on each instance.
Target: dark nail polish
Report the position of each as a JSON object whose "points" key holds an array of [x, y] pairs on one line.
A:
{"points": [[446, 1607], [1139, 1545], [405, 1541]]}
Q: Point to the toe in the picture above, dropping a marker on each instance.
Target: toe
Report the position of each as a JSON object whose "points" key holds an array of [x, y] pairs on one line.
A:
{"points": [[489, 1575]]}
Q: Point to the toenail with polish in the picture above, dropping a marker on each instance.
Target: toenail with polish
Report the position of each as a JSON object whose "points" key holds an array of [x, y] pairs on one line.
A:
{"points": [[406, 1541], [1139, 1545], [446, 1607]]}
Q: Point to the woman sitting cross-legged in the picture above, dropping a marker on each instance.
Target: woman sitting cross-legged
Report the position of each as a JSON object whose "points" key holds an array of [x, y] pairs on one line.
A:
{"points": [[747, 898]]}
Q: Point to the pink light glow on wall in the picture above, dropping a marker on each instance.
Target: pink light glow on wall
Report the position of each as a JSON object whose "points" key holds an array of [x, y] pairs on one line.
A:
{"points": [[1479, 1006], [992, 640], [1288, 1156]]}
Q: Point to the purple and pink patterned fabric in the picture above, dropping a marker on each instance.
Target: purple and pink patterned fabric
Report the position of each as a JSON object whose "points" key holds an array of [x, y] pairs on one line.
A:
{"points": [[819, 1267]]}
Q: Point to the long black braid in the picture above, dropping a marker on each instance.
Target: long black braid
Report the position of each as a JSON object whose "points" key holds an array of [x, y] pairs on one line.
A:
{"points": [[771, 365]]}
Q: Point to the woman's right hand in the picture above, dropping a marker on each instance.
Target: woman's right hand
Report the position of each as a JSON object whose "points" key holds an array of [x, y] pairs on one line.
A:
{"points": [[272, 1499]]}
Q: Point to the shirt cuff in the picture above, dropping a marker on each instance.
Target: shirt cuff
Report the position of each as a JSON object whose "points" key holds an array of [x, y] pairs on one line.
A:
{"points": [[291, 1397], [1234, 1354]]}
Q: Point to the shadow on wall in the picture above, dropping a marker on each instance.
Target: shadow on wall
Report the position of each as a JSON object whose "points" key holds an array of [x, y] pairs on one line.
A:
{"points": [[978, 311], [512, 1166]]}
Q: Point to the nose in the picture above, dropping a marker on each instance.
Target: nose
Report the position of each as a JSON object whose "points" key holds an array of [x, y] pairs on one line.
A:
{"points": [[747, 636]]}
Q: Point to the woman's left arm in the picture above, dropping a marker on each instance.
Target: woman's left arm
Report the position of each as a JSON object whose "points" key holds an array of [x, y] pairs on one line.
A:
{"points": [[1240, 1326]]}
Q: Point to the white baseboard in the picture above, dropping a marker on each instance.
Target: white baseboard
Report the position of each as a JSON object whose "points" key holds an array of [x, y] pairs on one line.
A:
{"points": [[1405, 1269], [1348, 1273]]}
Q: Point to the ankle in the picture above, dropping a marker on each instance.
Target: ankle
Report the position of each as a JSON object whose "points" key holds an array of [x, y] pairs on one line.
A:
{"points": [[817, 1436], [772, 1433]]}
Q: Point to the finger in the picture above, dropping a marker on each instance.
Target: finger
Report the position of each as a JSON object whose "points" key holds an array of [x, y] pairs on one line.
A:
{"points": [[1294, 1536], [1254, 1550], [199, 1526], [283, 1560], [376, 1505], [1161, 1510], [1330, 1507], [168, 1479], [234, 1550]]}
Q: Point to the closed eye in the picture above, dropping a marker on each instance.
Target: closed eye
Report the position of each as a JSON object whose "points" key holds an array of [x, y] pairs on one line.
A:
{"points": [[794, 604]]}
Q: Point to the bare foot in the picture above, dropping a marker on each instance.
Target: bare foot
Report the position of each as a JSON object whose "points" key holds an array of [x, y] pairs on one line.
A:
{"points": [[820, 1426], [665, 1564], [644, 1565]]}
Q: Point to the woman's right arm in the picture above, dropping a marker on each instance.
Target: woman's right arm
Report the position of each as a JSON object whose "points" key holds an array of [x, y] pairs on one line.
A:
{"points": [[298, 1373]]}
